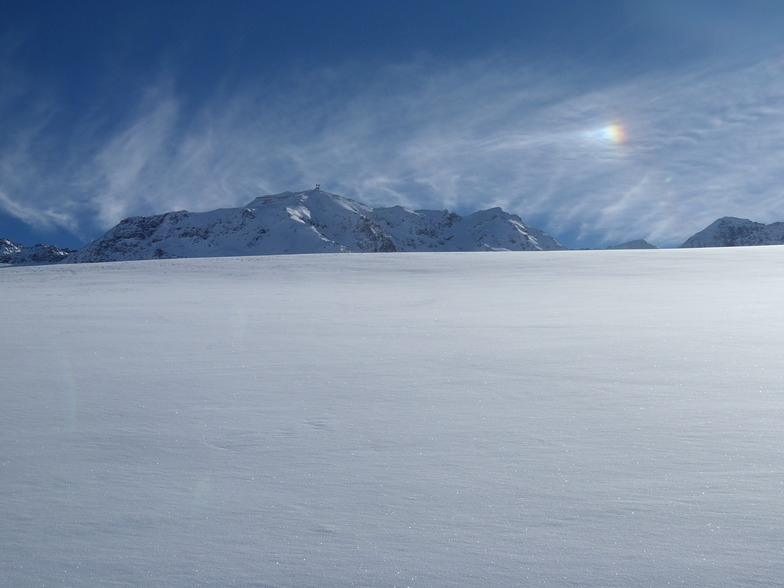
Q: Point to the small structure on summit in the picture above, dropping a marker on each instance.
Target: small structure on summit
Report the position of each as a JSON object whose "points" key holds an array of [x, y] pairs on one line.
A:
{"points": [[318, 188]]}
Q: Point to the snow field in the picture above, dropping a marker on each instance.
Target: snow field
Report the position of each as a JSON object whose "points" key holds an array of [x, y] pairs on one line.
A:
{"points": [[607, 418]]}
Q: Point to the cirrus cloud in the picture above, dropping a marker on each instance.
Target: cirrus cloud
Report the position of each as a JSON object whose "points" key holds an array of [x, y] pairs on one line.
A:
{"points": [[658, 156]]}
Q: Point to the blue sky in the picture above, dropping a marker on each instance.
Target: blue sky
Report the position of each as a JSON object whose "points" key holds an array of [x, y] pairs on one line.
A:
{"points": [[598, 122]]}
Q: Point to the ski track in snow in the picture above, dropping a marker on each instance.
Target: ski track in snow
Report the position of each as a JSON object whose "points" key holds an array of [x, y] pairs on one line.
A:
{"points": [[607, 418]]}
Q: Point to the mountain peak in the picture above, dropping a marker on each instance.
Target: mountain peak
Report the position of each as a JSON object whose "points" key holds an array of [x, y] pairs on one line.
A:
{"points": [[315, 197], [311, 221], [635, 244]]}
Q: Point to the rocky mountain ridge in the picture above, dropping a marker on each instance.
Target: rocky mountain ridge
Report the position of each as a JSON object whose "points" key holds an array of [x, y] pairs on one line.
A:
{"points": [[730, 231], [15, 254]]}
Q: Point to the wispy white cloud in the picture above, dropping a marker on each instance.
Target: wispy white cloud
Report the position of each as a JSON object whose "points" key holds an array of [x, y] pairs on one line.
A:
{"points": [[35, 216], [658, 157], [129, 169], [28, 112]]}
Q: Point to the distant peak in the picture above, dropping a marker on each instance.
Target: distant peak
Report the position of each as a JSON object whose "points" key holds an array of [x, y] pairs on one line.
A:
{"points": [[730, 231], [636, 244]]}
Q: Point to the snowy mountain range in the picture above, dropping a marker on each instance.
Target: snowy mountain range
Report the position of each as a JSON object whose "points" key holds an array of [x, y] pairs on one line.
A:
{"points": [[734, 232], [315, 221], [312, 221], [15, 254]]}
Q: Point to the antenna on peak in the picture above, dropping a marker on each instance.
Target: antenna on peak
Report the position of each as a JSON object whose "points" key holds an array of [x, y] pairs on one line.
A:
{"points": [[318, 187]]}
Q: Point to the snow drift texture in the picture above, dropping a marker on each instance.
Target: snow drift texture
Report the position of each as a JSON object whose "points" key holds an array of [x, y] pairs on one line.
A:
{"points": [[311, 222], [592, 418]]}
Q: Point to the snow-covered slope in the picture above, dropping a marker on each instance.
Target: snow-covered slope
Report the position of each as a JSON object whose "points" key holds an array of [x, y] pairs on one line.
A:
{"points": [[12, 253], [579, 418], [733, 232], [636, 244], [313, 221]]}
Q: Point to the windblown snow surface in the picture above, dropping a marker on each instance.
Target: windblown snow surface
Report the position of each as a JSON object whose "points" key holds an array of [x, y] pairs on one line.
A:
{"points": [[585, 418]]}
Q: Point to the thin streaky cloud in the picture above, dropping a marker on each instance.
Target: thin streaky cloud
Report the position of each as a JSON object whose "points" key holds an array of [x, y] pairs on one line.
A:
{"points": [[657, 157], [35, 216]]}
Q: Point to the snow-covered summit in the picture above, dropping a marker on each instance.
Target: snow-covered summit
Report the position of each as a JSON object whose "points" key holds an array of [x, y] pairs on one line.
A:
{"points": [[316, 200], [734, 232], [312, 221]]}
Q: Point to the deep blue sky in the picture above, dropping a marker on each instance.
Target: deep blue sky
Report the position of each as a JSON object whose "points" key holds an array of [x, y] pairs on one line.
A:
{"points": [[598, 122]]}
